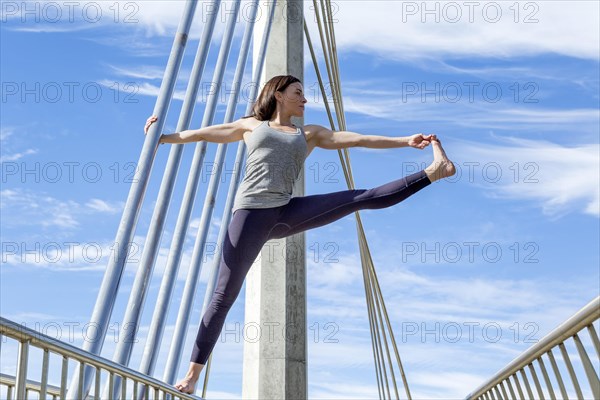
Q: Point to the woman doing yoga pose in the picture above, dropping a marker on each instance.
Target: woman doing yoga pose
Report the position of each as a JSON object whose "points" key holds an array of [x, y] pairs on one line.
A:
{"points": [[264, 208]]}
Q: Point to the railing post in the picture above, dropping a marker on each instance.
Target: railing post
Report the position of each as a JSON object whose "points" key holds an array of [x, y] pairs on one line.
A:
{"points": [[588, 367], [21, 379]]}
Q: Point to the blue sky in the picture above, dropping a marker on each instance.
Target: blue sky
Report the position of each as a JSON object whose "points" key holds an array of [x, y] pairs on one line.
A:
{"points": [[510, 242]]}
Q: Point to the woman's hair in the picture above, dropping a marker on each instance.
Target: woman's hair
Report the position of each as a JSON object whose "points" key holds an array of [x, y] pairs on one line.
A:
{"points": [[266, 104]]}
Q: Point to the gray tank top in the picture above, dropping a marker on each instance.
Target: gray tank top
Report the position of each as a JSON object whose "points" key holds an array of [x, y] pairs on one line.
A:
{"points": [[275, 159]]}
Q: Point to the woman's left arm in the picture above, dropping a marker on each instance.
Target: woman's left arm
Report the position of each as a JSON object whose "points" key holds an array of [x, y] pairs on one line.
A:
{"points": [[328, 139]]}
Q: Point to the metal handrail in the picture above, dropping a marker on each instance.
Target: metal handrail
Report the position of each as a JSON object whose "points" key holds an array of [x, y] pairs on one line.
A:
{"points": [[29, 337], [568, 329], [30, 386]]}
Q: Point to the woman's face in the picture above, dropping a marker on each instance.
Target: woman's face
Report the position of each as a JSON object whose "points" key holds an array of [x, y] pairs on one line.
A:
{"points": [[292, 100]]}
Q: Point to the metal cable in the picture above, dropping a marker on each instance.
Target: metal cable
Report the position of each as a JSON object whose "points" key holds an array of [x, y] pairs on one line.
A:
{"points": [[377, 311]]}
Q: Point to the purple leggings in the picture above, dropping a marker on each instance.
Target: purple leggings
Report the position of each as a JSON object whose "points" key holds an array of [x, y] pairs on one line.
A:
{"points": [[250, 229]]}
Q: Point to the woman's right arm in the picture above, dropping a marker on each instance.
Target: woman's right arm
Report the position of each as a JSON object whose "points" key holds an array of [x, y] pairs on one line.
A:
{"points": [[222, 133]]}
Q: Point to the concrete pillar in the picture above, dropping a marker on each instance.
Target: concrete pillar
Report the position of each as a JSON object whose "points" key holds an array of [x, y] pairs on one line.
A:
{"points": [[275, 323]]}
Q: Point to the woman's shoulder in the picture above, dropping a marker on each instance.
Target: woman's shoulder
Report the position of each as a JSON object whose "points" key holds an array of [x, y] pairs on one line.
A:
{"points": [[312, 130], [249, 123], [312, 127]]}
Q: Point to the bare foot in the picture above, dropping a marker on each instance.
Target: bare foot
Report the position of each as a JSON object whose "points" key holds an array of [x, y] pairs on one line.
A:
{"points": [[186, 385], [441, 167]]}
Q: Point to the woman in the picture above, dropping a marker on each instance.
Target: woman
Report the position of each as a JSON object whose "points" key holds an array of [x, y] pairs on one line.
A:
{"points": [[264, 207]]}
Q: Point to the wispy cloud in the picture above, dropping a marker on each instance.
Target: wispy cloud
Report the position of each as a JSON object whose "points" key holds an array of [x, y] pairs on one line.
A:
{"points": [[158, 17], [447, 31], [73, 256], [126, 25], [5, 133], [518, 70], [205, 90], [105, 206], [22, 207], [398, 104], [143, 89], [17, 156], [34, 316], [561, 178], [419, 297], [138, 46], [555, 116], [347, 390], [51, 28], [144, 72], [8, 154], [431, 31]]}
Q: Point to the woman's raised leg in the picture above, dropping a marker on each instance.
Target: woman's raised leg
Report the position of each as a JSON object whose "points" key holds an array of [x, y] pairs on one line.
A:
{"points": [[308, 212]]}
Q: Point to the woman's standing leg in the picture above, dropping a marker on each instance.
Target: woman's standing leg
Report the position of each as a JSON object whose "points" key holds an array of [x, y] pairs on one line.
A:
{"points": [[247, 233]]}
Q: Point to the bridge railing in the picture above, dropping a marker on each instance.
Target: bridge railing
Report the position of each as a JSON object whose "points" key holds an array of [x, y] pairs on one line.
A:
{"points": [[512, 382], [31, 386], [21, 387]]}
